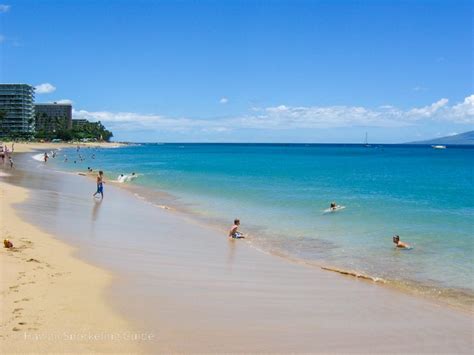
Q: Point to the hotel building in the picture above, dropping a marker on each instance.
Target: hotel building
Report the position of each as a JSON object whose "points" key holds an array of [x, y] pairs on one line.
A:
{"points": [[17, 107], [51, 117]]}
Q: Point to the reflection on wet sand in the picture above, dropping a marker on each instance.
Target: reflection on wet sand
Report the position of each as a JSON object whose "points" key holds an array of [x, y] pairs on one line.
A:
{"points": [[95, 209]]}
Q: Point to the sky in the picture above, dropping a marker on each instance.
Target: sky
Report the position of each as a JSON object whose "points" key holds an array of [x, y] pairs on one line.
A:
{"points": [[249, 71]]}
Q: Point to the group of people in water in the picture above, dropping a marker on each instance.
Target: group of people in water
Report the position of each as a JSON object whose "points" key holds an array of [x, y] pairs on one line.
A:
{"points": [[234, 232]]}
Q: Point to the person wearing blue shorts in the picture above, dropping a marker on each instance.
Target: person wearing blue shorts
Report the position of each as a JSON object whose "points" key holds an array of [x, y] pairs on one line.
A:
{"points": [[100, 184]]}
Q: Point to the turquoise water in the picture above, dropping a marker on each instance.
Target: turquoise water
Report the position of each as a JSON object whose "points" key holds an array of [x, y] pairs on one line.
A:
{"points": [[280, 192]]}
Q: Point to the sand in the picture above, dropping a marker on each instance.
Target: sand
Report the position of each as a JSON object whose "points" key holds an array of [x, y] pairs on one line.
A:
{"points": [[190, 288], [25, 147], [51, 301]]}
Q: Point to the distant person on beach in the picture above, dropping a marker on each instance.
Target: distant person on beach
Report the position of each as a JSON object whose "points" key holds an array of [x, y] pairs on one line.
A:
{"points": [[100, 184], [11, 162], [234, 231], [399, 244], [45, 157]]}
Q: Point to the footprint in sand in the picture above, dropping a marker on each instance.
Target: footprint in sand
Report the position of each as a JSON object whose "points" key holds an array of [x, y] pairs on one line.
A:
{"points": [[22, 300], [15, 329], [17, 310], [21, 323], [33, 261], [14, 288]]}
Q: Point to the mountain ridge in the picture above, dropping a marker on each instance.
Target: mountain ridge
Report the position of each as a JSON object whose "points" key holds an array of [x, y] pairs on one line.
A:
{"points": [[466, 138]]}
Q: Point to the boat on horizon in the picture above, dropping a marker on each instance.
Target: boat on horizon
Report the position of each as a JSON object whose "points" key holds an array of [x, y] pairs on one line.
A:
{"points": [[366, 143]]}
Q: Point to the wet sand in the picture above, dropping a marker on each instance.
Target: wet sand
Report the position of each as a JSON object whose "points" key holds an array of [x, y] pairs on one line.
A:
{"points": [[196, 291]]}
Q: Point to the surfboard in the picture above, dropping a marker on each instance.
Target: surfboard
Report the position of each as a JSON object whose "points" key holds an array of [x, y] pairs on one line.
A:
{"points": [[338, 208]]}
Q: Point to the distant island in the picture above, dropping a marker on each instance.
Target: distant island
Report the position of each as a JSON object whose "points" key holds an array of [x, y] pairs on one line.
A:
{"points": [[466, 138]]}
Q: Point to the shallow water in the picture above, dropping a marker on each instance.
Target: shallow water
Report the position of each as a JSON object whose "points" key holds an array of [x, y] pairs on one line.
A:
{"points": [[280, 193]]}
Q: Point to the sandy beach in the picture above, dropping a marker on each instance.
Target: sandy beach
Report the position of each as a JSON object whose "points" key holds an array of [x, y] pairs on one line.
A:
{"points": [[24, 147], [51, 302], [122, 265]]}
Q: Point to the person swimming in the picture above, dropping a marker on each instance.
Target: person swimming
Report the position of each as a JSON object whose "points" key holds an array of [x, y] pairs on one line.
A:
{"points": [[234, 231], [100, 184], [400, 244], [333, 205]]}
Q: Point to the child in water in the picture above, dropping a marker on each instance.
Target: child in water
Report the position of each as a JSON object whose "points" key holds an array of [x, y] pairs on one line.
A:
{"points": [[234, 231], [399, 244]]}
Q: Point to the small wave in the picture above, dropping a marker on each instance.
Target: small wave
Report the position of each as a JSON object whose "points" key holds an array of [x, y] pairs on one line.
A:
{"points": [[163, 207], [38, 157], [127, 178], [354, 274], [2, 174]]}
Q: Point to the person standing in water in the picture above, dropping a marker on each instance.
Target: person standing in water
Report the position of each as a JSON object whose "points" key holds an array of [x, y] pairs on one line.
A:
{"points": [[234, 231], [100, 184]]}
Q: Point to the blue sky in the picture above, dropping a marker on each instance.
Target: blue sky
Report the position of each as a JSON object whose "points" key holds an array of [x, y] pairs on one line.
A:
{"points": [[269, 71]]}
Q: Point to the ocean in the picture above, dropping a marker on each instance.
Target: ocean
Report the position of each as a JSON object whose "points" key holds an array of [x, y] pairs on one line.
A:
{"points": [[280, 193]]}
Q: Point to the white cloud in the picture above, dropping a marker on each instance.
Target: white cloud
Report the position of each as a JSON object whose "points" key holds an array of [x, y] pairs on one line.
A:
{"points": [[464, 111], [4, 8], [45, 88], [224, 100], [64, 101], [430, 110], [288, 117]]}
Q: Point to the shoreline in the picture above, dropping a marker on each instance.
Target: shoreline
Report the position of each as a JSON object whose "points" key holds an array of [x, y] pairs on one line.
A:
{"points": [[44, 307], [184, 269], [27, 147], [448, 297]]}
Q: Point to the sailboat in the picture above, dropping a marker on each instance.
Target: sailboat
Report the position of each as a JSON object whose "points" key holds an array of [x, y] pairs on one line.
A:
{"points": [[366, 144]]}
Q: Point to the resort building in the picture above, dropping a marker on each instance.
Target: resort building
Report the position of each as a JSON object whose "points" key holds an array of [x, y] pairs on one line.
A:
{"points": [[52, 117], [17, 111]]}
